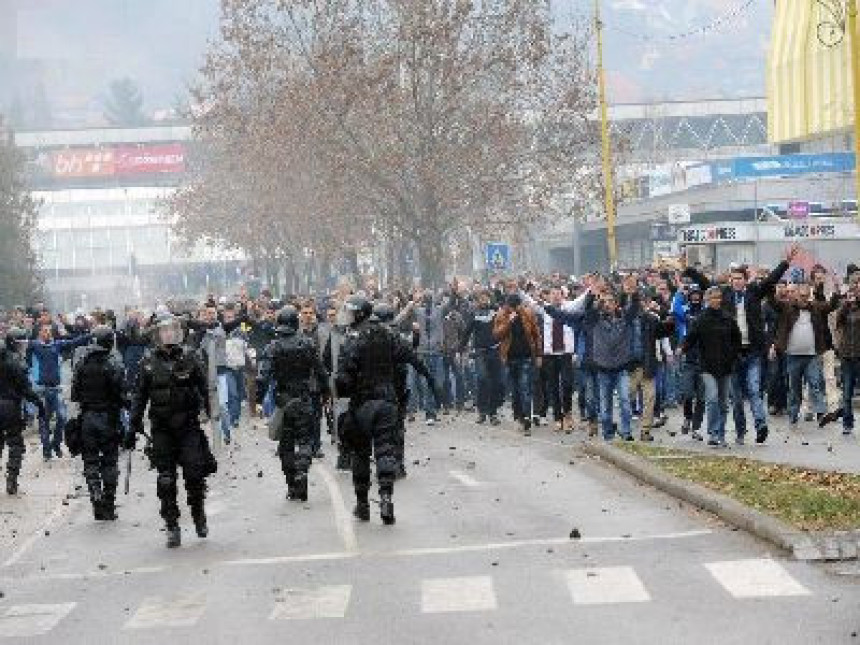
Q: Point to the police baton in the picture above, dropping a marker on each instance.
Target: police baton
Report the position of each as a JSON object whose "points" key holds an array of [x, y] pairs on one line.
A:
{"points": [[128, 471]]}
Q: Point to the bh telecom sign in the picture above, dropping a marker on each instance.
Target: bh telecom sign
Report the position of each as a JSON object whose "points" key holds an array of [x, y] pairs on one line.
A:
{"points": [[498, 256]]}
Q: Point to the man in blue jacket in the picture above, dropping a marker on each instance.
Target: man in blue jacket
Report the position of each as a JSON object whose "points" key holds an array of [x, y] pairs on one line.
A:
{"points": [[44, 356]]}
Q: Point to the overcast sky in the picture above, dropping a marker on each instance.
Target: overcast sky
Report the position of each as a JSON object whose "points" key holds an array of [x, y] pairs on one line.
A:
{"points": [[160, 43]]}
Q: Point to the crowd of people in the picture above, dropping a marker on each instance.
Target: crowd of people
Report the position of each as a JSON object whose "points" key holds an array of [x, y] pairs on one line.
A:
{"points": [[565, 351]]}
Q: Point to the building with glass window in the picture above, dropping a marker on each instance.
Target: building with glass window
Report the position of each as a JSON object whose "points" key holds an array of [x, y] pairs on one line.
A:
{"points": [[102, 235]]}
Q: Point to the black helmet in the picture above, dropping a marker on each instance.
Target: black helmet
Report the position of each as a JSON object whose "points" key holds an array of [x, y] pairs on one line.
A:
{"points": [[103, 336], [168, 330], [359, 307], [383, 312], [288, 320], [14, 337]]}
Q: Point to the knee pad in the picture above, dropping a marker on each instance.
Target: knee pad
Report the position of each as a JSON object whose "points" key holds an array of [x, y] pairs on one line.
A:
{"points": [[386, 466], [110, 476], [166, 486]]}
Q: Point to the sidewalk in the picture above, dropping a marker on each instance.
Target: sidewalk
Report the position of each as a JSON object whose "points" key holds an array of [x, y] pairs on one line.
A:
{"points": [[808, 446]]}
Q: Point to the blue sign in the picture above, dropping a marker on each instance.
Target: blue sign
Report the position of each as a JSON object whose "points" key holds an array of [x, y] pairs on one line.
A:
{"points": [[498, 256], [782, 166]]}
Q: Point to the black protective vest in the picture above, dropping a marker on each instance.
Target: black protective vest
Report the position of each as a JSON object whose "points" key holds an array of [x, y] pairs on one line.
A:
{"points": [[294, 359], [172, 388], [375, 348], [94, 383], [11, 374]]}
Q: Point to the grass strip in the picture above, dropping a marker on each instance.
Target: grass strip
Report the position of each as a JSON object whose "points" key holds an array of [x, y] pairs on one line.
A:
{"points": [[811, 500]]}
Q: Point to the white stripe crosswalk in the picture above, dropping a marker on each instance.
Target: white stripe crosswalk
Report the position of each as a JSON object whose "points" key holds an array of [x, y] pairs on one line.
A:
{"points": [[605, 585], [586, 587], [22, 621], [755, 579], [304, 604], [444, 595], [177, 611]]}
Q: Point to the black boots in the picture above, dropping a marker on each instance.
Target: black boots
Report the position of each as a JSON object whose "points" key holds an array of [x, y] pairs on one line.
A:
{"points": [[12, 484], [97, 499], [174, 536], [298, 489], [386, 508], [199, 517], [362, 507], [343, 462]]}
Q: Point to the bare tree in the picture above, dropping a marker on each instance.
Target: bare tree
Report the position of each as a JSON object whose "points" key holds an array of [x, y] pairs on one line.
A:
{"points": [[341, 119]]}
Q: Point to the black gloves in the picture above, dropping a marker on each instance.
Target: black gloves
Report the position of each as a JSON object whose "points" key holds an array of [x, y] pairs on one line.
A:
{"points": [[129, 440]]}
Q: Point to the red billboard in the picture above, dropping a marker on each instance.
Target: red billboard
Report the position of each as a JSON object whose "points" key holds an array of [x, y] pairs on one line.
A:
{"points": [[121, 160], [83, 162], [137, 160]]}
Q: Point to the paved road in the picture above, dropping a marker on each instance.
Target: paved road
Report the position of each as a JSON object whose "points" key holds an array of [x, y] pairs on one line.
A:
{"points": [[481, 553]]}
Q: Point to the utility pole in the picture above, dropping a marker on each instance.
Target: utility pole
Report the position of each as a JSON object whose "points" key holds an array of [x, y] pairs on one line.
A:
{"points": [[854, 52], [608, 188]]}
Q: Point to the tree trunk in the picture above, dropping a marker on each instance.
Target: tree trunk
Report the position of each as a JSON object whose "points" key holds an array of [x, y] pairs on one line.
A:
{"points": [[432, 257]]}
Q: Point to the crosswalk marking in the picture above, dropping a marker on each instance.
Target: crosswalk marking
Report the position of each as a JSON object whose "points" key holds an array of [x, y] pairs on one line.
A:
{"points": [[22, 621], [178, 611], [463, 478], [755, 578], [324, 602], [441, 595], [605, 585]]}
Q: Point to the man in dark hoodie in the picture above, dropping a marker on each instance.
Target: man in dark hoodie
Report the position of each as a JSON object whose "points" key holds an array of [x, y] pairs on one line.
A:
{"points": [[488, 363], [716, 338]]}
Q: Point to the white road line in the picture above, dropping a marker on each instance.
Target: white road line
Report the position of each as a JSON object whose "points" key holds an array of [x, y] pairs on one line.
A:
{"points": [[757, 578], [443, 595], [55, 517], [464, 479], [96, 574], [176, 611], [605, 585], [516, 544], [287, 559], [306, 604], [342, 517], [23, 621]]}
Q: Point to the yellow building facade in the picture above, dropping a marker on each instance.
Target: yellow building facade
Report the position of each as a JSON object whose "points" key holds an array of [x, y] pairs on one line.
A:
{"points": [[809, 86]]}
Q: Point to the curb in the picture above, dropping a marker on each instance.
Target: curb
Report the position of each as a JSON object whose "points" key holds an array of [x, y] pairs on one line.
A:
{"points": [[844, 545]]}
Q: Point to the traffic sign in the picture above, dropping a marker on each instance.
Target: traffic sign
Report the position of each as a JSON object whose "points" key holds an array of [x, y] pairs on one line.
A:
{"points": [[498, 256]]}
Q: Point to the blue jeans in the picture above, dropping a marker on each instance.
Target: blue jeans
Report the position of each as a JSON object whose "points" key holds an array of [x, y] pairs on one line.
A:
{"points": [[54, 406], [589, 394], [235, 392], [269, 402], [800, 369], [454, 384], [746, 384], [850, 381], [609, 381], [520, 379], [433, 363], [717, 404]]}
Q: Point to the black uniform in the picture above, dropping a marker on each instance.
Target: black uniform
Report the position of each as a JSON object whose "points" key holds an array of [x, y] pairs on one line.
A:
{"points": [[367, 372], [172, 382], [292, 363], [14, 389], [98, 386]]}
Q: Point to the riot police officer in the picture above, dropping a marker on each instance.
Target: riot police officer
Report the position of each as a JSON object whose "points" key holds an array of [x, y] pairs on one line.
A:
{"points": [[98, 386], [172, 383], [367, 373], [384, 313], [15, 388], [291, 362]]}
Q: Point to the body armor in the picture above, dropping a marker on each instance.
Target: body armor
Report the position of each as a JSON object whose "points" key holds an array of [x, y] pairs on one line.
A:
{"points": [[98, 381]]}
